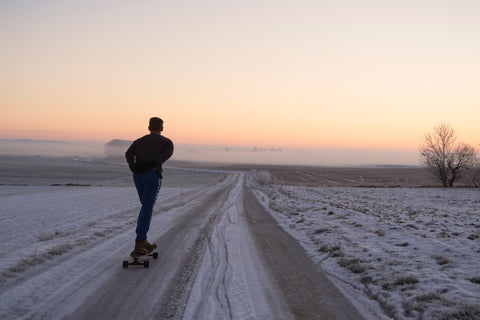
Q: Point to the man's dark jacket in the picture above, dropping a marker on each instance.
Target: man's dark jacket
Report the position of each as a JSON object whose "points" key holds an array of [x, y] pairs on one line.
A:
{"points": [[149, 152]]}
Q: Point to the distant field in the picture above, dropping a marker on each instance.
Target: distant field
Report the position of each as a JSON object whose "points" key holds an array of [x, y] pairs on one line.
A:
{"points": [[31, 170], [75, 171], [353, 177], [374, 176]]}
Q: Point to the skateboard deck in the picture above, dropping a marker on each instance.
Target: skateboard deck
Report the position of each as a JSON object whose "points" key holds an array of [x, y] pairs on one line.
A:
{"points": [[137, 260]]}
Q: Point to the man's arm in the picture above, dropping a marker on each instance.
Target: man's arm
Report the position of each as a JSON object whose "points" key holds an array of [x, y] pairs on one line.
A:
{"points": [[164, 156], [130, 156], [167, 153]]}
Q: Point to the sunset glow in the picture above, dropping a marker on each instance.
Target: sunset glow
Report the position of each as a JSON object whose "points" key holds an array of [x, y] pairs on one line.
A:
{"points": [[288, 74]]}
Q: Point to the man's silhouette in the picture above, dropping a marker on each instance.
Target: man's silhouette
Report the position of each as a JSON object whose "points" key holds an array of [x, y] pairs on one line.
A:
{"points": [[145, 157]]}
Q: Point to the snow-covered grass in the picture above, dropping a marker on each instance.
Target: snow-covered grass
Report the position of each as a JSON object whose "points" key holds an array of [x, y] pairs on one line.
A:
{"points": [[415, 251], [40, 223]]}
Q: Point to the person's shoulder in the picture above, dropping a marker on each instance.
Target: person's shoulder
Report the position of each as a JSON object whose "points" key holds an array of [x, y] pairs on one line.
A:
{"points": [[162, 138], [167, 140], [145, 137]]}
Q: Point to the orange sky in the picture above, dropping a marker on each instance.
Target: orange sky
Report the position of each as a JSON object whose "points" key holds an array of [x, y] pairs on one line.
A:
{"points": [[309, 74]]}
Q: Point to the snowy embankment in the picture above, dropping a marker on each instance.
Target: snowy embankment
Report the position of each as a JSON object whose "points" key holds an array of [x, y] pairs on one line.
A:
{"points": [[415, 251]]}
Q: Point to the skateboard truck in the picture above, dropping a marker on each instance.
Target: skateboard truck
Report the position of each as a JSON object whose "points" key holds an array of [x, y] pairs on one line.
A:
{"points": [[136, 261]]}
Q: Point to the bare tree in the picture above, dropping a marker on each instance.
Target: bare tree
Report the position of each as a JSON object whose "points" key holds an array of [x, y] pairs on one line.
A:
{"points": [[476, 173], [444, 156], [473, 174]]}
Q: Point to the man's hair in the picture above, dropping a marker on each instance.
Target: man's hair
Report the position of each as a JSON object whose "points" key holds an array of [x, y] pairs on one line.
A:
{"points": [[155, 124]]}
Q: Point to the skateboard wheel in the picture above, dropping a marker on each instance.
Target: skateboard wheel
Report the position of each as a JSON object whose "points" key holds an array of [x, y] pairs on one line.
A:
{"points": [[125, 264], [146, 264], [155, 255]]}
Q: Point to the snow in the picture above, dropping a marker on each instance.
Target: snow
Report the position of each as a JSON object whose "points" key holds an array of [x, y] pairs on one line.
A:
{"points": [[218, 263], [231, 284], [415, 251], [402, 253]]}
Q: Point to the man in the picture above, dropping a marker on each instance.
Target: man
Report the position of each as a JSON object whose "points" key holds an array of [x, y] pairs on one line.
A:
{"points": [[145, 157]]}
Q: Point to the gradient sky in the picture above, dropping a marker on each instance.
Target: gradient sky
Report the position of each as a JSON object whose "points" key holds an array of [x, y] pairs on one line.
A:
{"points": [[286, 73]]}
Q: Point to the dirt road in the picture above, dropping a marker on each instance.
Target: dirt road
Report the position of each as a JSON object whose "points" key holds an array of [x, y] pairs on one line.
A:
{"points": [[221, 257]]}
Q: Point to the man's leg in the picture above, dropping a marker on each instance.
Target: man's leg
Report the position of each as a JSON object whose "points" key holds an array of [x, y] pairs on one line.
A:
{"points": [[148, 185]]}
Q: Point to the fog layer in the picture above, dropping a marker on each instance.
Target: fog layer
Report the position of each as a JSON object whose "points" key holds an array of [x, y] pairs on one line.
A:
{"points": [[220, 154]]}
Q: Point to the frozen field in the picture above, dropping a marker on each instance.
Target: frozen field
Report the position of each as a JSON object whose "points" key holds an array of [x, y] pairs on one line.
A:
{"points": [[414, 250], [401, 253]]}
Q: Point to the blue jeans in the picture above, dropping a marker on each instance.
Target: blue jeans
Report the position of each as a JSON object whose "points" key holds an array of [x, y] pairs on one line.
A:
{"points": [[148, 185]]}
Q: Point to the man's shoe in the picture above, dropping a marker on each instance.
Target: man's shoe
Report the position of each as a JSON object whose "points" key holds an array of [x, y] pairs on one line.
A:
{"points": [[141, 248], [150, 247]]}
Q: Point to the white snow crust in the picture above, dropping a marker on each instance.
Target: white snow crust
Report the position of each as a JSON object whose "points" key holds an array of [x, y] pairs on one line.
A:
{"points": [[415, 251]]}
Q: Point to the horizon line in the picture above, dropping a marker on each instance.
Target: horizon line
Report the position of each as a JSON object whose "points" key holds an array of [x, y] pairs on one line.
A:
{"points": [[235, 147]]}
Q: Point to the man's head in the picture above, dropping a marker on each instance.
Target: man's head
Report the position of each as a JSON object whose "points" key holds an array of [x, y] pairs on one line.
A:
{"points": [[155, 125]]}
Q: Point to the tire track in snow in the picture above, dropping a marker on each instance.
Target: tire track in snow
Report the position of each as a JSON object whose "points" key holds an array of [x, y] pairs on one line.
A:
{"points": [[157, 292], [174, 299], [209, 295]]}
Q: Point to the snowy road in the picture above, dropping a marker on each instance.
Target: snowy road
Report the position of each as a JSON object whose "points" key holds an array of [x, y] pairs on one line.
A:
{"points": [[221, 256]]}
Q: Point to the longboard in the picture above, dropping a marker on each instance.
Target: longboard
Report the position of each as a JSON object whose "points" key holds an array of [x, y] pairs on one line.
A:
{"points": [[136, 260]]}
